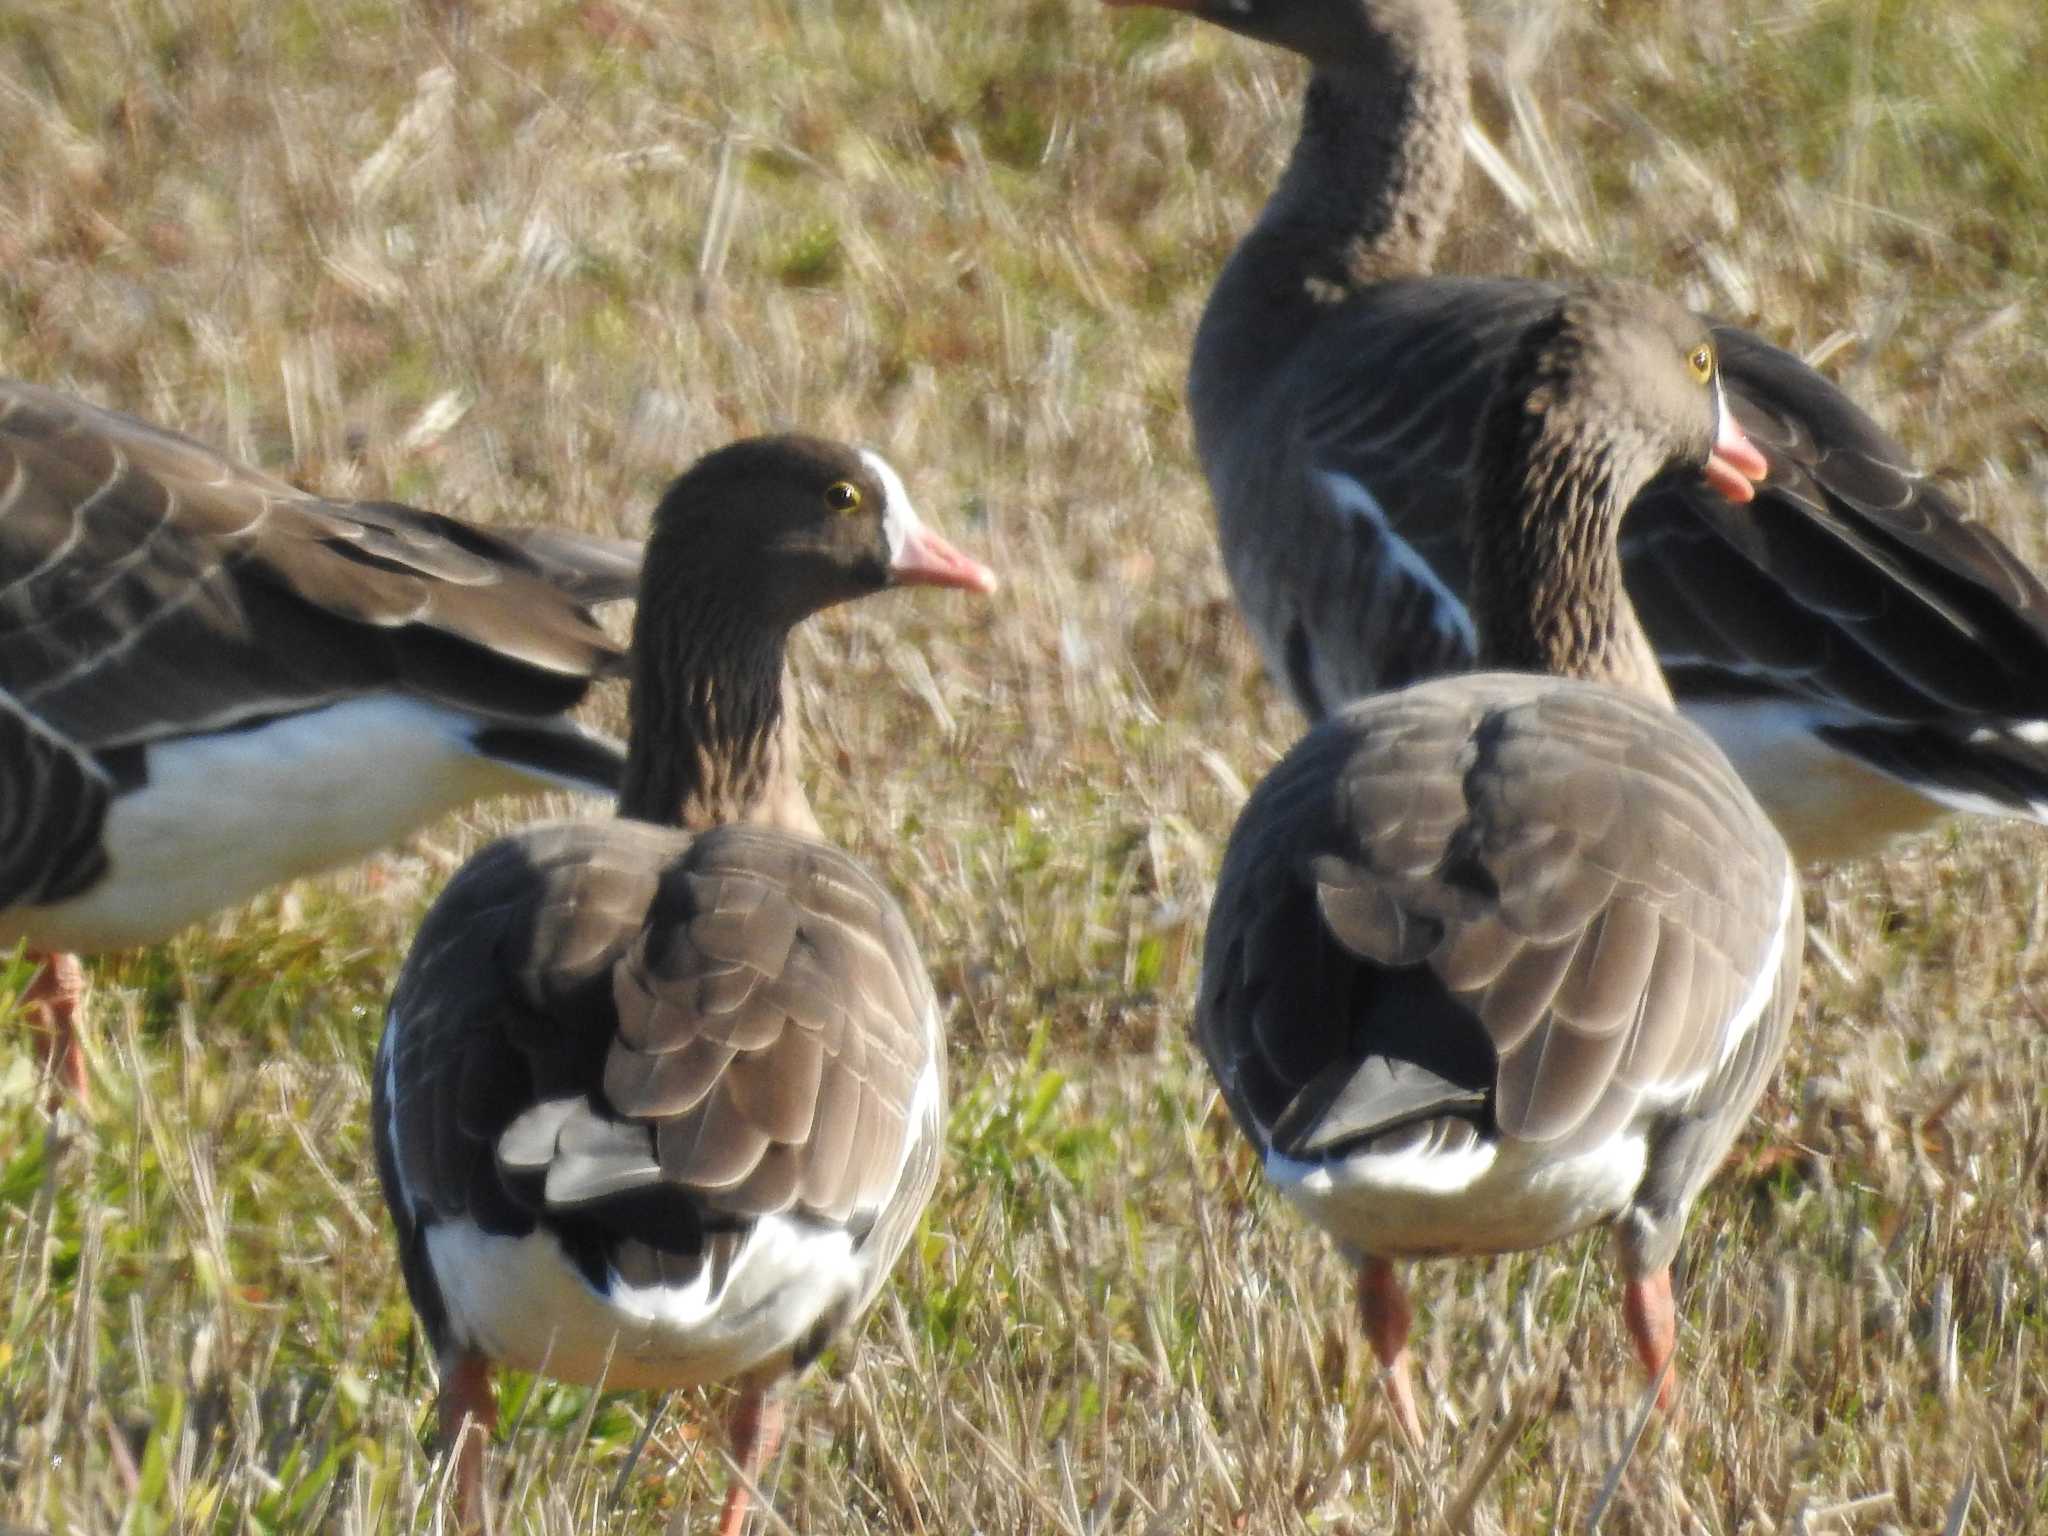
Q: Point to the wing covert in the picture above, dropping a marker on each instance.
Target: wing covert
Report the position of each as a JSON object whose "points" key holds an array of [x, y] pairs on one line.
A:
{"points": [[663, 1036], [1554, 896], [150, 587]]}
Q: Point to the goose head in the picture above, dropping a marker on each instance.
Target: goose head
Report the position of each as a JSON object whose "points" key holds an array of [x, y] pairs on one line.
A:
{"points": [[1330, 34], [1612, 388], [1639, 374], [752, 540], [789, 525]]}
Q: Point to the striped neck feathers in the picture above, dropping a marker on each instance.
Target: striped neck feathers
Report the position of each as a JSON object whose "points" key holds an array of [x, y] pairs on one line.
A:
{"points": [[713, 736], [1547, 588]]}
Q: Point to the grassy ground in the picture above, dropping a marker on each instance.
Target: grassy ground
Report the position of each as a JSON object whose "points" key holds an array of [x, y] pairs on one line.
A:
{"points": [[523, 260]]}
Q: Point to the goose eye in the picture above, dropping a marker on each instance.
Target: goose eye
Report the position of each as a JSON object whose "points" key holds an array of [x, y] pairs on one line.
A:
{"points": [[1701, 361], [842, 496]]}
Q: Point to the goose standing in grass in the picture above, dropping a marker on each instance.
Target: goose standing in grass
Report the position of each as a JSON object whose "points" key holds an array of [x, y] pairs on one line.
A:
{"points": [[1498, 957], [658, 1099], [212, 682], [1866, 658]]}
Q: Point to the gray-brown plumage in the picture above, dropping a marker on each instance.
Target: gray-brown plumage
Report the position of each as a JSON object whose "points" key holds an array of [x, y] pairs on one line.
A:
{"points": [[150, 588], [1500, 956], [213, 681], [659, 1098], [50, 816], [1867, 658]]}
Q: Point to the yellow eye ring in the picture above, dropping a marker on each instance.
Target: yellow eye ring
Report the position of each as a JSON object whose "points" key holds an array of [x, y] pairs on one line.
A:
{"points": [[1701, 361], [842, 496]]}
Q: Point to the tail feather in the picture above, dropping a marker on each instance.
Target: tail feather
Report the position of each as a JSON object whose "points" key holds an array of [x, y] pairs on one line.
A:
{"points": [[564, 755], [1992, 770]]}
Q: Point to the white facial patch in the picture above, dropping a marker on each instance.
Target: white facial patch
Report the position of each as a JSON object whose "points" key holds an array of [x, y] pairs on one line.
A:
{"points": [[899, 517]]}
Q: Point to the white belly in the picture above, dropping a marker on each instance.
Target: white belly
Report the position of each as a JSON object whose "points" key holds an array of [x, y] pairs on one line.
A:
{"points": [[1490, 1198], [520, 1301], [224, 817], [1827, 804]]}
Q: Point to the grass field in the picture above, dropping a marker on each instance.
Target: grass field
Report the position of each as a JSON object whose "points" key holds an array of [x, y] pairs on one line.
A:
{"points": [[524, 260]]}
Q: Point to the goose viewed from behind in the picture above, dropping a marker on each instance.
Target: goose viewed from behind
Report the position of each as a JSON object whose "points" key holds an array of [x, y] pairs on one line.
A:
{"points": [[212, 682], [1868, 659], [659, 1098], [1498, 957]]}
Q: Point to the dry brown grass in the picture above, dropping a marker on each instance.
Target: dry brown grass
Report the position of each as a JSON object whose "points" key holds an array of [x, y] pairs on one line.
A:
{"points": [[522, 261]]}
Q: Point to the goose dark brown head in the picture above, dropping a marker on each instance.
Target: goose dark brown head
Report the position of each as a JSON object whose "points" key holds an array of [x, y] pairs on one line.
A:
{"points": [[753, 539], [792, 525]]}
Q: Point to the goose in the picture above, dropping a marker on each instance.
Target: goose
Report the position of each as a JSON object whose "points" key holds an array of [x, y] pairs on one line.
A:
{"points": [[212, 682], [1869, 660], [658, 1098], [1503, 955]]}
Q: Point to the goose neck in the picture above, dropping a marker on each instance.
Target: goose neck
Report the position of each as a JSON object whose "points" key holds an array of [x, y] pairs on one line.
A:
{"points": [[1369, 187], [1547, 588], [713, 737], [1365, 198]]}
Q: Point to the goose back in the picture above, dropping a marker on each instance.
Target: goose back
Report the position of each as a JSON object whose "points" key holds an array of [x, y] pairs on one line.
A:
{"points": [[1491, 926], [677, 1065], [150, 587]]}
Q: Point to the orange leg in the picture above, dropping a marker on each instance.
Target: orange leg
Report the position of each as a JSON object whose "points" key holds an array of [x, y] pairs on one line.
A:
{"points": [[755, 1430], [469, 1412], [1384, 1306], [1653, 1325], [51, 1003]]}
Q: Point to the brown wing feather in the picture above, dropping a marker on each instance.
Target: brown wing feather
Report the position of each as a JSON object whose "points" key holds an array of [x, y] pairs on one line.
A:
{"points": [[1576, 936], [149, 586], [1852, 590], [1853, 575], [662, 1038]]}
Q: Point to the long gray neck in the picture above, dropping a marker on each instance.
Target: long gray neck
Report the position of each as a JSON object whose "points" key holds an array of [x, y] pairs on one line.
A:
{"points": [[712, 738], [1365, 196], [1547, 593]]}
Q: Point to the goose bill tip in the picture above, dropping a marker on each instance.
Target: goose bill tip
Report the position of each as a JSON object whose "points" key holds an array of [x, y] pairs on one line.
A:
{"points": [[1735, 465], [1729, 481]]}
